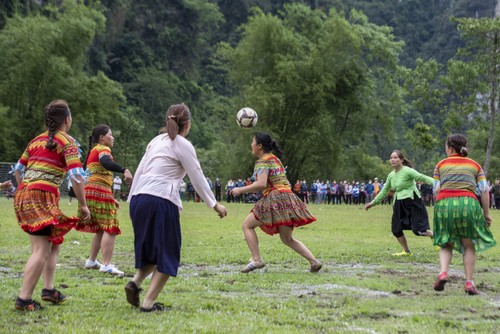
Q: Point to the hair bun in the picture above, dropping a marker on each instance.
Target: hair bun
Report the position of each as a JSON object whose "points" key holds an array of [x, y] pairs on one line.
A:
{"points": [[463, 151]]}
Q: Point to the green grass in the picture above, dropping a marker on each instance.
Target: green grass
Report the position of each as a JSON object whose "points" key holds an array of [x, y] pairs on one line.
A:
{"points": [[361, 289]]}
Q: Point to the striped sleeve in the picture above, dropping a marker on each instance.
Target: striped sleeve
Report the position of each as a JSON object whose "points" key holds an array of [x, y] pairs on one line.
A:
{"points": [[482, 184], [74, 166]]}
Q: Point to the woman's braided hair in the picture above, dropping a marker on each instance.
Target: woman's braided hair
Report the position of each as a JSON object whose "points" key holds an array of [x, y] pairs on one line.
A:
{"points": [[55, 115]]}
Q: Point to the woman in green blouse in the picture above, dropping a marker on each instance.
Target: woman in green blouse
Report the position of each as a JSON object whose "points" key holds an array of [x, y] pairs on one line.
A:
{"points": [[409, 212]]}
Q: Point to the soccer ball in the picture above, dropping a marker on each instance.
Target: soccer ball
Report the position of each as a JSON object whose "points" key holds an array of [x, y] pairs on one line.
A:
{"points": [[246, 117]]}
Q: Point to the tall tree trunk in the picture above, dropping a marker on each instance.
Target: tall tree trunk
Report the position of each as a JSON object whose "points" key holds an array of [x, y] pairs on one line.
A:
{"points": [[493, 96]]}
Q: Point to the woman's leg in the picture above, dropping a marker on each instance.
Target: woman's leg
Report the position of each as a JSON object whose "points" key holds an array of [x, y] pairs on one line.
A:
{"points": [[95, 245], [142, 273], [50, 267], [249, 225], [40, 250], [469, 259], [404, 243], [445, 254], [157, 283], [296, 245], [107, 246]]}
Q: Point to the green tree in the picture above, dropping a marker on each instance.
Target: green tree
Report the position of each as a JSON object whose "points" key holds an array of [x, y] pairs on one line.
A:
{"points": [[482, 38], [43, 58], [319, 82]]}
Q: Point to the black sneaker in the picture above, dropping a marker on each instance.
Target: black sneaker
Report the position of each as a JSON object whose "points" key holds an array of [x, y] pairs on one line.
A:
{"points": [[132, 292], [156, 307], [54, 296], [27, 305]]}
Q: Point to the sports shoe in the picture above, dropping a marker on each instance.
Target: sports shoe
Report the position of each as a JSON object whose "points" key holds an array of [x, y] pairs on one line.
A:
{"points": [[316, 266], [111, 269], [441, 281], [470, 289], [403, 253], [251, 266], [156, 307], [89, 264], [54, 296], [27, 305], [132, 292]]}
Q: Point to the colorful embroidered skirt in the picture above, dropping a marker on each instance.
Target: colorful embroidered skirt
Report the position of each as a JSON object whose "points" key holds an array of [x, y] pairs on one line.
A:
{"points": [[281, 209], [103, 210], [39, 209], [461, 217]]}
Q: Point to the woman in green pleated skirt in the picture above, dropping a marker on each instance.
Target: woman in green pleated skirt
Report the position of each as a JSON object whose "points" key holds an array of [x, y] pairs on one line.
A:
{"points": [[456, 218], [460, 221]]}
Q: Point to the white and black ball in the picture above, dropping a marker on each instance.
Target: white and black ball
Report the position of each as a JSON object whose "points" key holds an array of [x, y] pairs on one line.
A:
{"points": [[246, 117]]}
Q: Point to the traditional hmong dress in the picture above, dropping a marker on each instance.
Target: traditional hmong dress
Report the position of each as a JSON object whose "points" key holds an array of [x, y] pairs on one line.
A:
{"points": [[457, 212], [36, 200], [279, 206], [99, 195]]}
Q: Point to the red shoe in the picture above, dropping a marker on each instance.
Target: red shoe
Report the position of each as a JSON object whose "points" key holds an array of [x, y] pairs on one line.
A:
{"points": [[441, 281], [470, 289]]}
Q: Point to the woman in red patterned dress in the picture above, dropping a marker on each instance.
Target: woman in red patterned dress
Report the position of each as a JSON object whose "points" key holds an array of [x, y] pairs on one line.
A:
{"points": [[39, 173], [279, 211], [102, 204]]}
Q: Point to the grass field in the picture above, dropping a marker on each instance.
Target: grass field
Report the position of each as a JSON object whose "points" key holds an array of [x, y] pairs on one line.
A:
{"points": [[361, 289]]}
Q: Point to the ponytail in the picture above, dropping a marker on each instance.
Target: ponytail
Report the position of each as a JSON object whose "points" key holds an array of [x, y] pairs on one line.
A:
{"points": [[406, 162], [97, 132], [268, 144], [88, 152], [178, 116]]}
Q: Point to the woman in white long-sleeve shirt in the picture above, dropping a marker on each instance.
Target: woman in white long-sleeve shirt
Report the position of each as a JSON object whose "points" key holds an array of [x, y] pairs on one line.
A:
{"points": [[155, 203]]}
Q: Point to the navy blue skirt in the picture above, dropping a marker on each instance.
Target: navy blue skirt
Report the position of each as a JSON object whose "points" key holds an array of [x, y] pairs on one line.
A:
{"points": [[157, 233]]}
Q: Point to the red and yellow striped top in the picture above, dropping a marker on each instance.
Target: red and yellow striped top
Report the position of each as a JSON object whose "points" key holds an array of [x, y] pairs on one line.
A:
{"points": [[99, 174], [459, 176], [45, 169]]}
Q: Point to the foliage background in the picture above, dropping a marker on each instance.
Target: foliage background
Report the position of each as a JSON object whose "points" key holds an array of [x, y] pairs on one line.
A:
{"points": [[340, 84]]}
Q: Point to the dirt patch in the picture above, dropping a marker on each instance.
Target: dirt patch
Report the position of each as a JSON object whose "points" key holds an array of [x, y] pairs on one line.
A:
{"points": [[306, 289]]}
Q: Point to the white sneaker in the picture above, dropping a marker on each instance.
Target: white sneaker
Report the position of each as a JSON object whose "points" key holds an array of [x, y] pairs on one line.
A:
{"points": [[89, 264], [111, 269]]}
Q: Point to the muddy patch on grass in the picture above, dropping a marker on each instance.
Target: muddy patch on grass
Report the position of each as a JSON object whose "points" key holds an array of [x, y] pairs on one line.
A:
{"points": [[343, 269], [311, 290]]}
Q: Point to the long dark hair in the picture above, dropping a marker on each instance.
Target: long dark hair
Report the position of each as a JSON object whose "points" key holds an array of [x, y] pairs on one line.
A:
{"points": [[55, 115], [268, 143], [178, 115], [459, 143], [100, 130], [406, 162]]}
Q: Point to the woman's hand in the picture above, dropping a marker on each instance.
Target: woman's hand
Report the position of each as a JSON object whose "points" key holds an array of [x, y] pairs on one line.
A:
{"points": [[6, 184], [84, 210], [488, 219], [117, 204], [221, 210], [128, 176], [236, 191]]}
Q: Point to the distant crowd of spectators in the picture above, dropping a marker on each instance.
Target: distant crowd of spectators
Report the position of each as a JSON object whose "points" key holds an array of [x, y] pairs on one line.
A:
{"points": [[318, 192], [342, 192], [188, 192]]}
